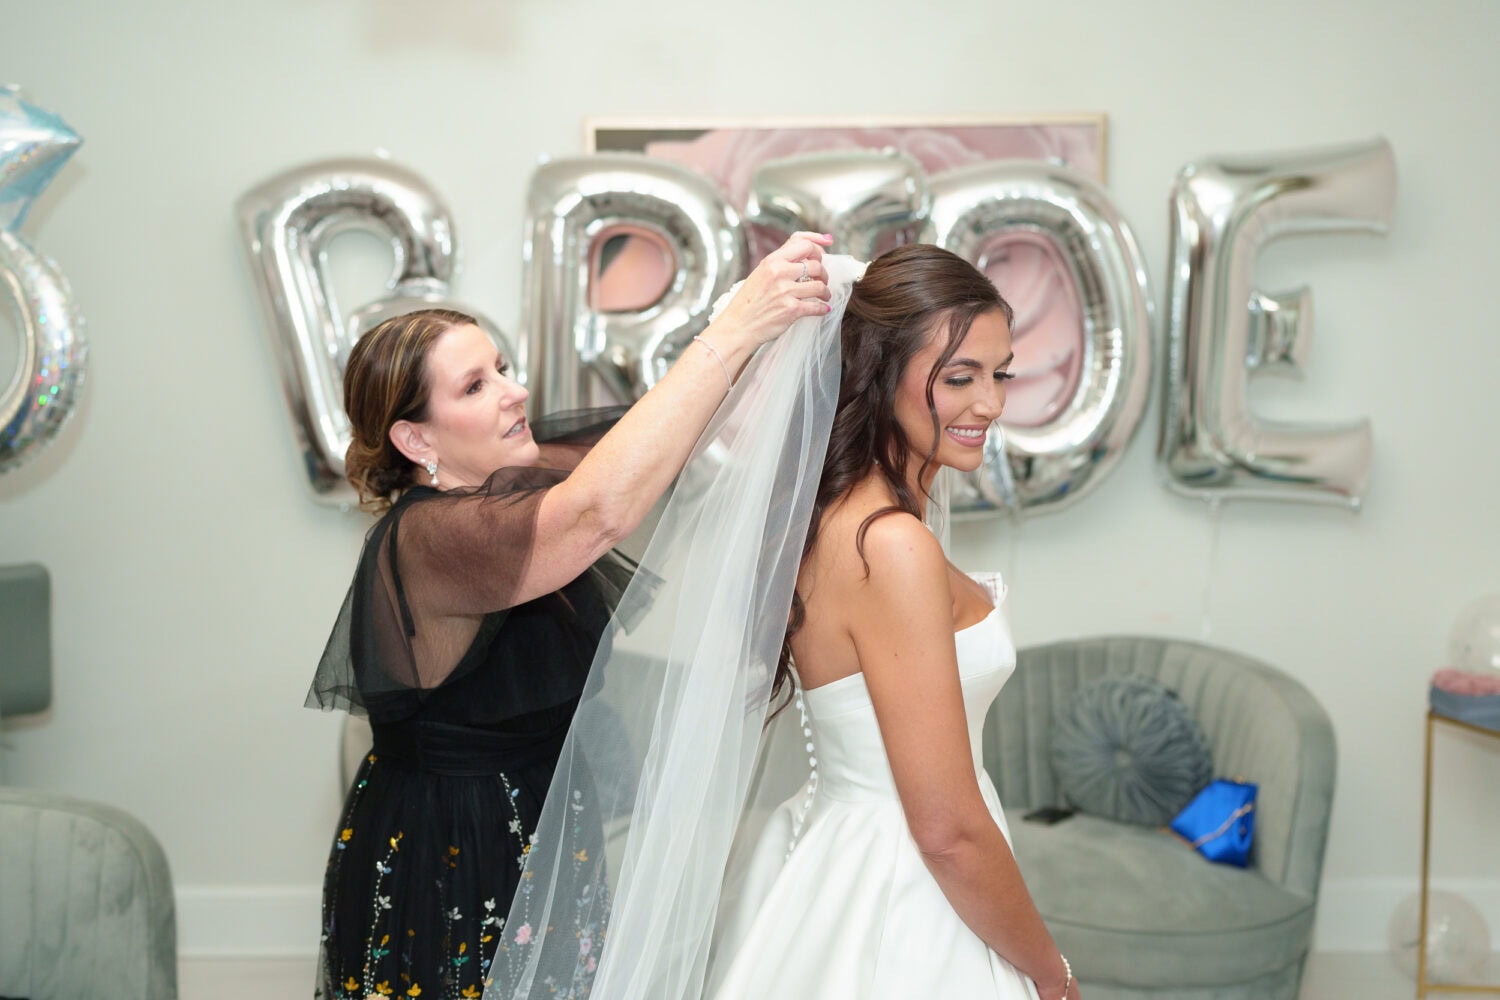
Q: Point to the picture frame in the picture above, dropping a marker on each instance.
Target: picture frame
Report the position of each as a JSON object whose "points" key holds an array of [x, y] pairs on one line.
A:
{"points": [[631, 267], [731, 149]]}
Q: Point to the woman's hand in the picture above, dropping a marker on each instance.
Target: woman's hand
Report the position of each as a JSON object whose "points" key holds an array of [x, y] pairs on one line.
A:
{"points": [[788, 284]]}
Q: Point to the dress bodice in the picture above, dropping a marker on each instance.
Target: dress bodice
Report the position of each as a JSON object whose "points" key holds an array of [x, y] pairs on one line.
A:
{"points": [[851, 762], [836, 887]]}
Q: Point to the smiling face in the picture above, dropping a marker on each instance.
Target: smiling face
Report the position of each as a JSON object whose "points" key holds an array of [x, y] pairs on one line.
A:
{"points": [[968, 394], [475, 417]]}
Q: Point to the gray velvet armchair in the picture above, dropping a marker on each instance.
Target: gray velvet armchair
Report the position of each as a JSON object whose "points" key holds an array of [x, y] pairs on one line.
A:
{"points": [[86, 907], [1139, 913]]}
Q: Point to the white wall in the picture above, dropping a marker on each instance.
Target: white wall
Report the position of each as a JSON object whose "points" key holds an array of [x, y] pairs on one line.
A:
{"points": [[194, 579]]}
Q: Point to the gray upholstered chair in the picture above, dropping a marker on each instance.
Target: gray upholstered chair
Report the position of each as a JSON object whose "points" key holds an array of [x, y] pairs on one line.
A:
{"points": [[86, 907], [1139, 913], [26, 638], [25, 646]]}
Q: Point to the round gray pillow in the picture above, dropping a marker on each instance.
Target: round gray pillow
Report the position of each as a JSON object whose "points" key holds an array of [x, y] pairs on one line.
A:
{"points": [[1126, 749]]}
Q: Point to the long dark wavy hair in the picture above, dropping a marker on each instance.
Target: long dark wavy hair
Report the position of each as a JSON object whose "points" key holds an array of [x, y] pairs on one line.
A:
{"points": [[905, 297]]}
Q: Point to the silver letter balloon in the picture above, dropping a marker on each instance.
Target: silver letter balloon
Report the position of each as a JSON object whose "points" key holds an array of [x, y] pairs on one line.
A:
{"points": [[570, 346], [288, 222], [854, 195], [1220, 327], [1052, 465], [48, 381]]}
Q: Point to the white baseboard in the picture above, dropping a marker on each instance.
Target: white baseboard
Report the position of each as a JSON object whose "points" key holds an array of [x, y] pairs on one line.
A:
{"points": [[1354, 915]]}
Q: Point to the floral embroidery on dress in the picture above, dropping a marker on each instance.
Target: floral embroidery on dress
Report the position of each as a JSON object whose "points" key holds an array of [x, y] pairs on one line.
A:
{"points": [[468, 938], [590, 934]]}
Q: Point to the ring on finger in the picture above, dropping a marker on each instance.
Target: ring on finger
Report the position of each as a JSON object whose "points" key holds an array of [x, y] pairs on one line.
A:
{"points": [[804, 272]]}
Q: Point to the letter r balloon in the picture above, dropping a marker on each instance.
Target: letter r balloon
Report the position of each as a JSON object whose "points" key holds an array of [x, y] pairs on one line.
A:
{"points": [[572, 202]]}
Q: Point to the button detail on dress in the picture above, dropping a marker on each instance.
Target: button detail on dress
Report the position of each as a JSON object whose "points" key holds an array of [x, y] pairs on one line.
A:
{"points": [[800, 819]]}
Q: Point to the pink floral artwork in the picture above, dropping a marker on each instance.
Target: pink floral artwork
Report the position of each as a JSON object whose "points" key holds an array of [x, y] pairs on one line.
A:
{"points": [[732, 155], [1029, 270]]}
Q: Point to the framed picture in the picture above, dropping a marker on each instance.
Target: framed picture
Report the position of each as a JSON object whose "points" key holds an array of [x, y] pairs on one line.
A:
{"points": [[731, 150], [633, 267]]}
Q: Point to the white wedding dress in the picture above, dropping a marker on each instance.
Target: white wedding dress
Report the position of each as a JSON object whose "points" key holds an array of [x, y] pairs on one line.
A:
{"points": [[834, 900]]}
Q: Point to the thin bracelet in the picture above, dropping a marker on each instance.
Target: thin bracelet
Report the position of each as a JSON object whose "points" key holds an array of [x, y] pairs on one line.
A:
{"points": [[1067, 974], [717, 357]]}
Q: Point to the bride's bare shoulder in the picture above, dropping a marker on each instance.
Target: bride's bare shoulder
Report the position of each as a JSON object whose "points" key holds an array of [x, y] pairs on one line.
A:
{"points": [[890, 543], [900, 549]]}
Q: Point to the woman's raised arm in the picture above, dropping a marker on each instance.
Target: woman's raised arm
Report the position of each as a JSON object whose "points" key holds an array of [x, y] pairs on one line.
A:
{"points": [[622, 477]]}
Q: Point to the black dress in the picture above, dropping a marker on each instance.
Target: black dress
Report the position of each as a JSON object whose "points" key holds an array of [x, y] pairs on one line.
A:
{"points": [[469, 713]]}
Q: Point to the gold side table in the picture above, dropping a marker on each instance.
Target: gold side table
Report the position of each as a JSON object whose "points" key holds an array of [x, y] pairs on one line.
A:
{"points": [[1423, 986]]}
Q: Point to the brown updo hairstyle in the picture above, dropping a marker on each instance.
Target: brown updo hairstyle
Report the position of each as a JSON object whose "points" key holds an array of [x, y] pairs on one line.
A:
{"points": [[904, 298], [386, 381]]}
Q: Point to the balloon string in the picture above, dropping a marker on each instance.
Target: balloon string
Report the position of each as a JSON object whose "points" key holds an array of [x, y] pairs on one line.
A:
{"points": [[1216, 523], [1010, 571]]}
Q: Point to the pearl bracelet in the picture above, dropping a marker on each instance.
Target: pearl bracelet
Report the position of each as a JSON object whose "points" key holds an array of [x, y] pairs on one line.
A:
{"points": [[1067, 974], [717, 357]]}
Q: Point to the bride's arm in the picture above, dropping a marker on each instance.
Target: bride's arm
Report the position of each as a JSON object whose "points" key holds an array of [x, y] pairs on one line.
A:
{"points": [[903, 633]]}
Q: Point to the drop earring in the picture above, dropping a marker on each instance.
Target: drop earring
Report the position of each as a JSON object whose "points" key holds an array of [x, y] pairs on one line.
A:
{"points": [[432, 470]]}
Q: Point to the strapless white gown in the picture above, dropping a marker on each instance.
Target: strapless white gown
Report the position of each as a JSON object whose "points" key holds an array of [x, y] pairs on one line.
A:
{"points": [[836, 901]]}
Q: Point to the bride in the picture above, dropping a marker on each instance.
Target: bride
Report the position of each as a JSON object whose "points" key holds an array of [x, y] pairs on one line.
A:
{"points": [[890, 873], [900, 879]]}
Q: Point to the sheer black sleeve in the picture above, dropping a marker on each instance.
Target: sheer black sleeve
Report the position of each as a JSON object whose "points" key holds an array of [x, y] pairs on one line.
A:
{"points": [[393, 639]]}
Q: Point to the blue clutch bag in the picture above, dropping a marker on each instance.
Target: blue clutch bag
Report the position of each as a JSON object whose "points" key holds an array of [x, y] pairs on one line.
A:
{"points": [[1220, 821]]}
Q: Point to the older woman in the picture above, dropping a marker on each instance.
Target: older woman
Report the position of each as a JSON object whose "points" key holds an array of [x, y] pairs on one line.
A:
{"points": [[475, 610]]}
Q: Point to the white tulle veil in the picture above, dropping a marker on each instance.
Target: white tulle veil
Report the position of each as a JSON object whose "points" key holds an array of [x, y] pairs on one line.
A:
{"points": [[671, 727]]}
